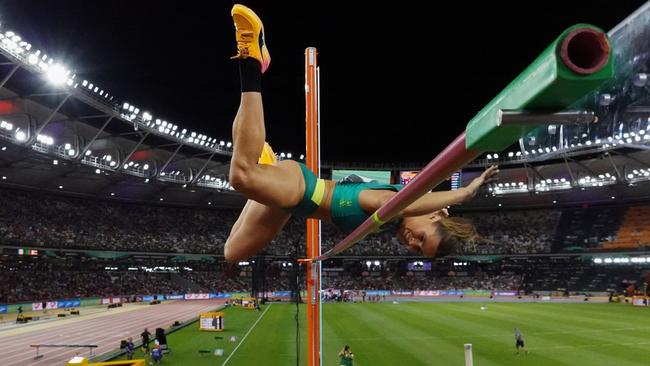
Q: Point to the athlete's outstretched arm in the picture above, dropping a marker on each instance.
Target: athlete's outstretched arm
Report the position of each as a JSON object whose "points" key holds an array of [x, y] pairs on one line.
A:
{"points": [[434, 201], [371, 200]]}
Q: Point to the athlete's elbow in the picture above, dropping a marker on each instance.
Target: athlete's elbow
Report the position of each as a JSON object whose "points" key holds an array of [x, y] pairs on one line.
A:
{"points": [[231, 255], [238, 177]]}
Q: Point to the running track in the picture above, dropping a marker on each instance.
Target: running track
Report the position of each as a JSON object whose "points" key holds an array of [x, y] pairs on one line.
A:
{"points": [[106, 331]]}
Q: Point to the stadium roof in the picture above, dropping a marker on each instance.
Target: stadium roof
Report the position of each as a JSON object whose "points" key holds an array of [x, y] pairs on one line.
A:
{"points": [[105, 146]]}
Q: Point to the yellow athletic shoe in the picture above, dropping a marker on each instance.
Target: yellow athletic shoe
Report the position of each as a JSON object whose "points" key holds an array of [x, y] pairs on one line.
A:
{"points": [[250, 36], [268, 156]]}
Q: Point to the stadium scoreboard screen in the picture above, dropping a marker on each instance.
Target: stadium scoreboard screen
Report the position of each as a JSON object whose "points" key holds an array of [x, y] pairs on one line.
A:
{"points": [[455, 181], [406, 176], [451, 183], [419, 266], [25, 251], [212, 322], [381, 176]]}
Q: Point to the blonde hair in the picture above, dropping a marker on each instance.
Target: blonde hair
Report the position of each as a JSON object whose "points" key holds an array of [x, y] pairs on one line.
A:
{"points": [[453, 231]]}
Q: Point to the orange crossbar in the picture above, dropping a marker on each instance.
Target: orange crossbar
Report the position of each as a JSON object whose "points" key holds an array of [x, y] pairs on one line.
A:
{"points": [[313, 226]]}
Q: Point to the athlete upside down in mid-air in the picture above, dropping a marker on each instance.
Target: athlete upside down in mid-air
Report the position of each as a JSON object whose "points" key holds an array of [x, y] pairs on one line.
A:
{"points": [[277, 191]]}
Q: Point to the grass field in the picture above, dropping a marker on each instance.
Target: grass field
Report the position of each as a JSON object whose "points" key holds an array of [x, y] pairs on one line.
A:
{"points": [[429, 334]]}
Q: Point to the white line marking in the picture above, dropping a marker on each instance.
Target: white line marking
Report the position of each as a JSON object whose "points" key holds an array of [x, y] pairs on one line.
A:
{"points": [[246, 335]]}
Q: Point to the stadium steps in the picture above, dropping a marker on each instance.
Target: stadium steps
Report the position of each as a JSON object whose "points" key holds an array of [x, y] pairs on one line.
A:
{"points": [[635, 231], [185, 283], [586, 228]]}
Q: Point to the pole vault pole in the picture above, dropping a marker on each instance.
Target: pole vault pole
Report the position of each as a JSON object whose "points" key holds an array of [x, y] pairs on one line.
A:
{"points": [[575, 64], [312, 156]]}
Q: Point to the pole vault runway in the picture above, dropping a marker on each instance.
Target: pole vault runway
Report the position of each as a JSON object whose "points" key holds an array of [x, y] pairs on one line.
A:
{"points": [[106, 330]]}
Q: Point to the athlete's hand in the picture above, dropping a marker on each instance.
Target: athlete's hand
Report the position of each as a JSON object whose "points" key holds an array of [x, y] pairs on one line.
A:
{"points": [[489, 175]]}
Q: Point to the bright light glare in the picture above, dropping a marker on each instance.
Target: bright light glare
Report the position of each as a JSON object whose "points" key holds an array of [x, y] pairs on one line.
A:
{"points": [[57, 74], [21, 136]]}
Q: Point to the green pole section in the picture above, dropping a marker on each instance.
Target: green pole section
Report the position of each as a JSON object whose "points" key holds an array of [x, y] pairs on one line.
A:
{"points": [[577, 62]]}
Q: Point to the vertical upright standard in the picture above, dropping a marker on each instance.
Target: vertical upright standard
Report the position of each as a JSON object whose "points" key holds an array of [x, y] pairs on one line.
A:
{"points": [[312, 89]]}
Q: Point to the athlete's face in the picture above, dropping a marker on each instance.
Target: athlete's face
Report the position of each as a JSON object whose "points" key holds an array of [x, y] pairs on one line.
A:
{"points": [[420, 233]]}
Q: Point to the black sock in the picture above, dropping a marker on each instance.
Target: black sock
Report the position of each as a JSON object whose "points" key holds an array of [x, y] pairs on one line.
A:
{"points": [[250, 75]]}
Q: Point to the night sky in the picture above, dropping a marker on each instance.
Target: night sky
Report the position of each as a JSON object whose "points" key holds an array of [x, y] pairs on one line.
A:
{"points": [[398, 82]]}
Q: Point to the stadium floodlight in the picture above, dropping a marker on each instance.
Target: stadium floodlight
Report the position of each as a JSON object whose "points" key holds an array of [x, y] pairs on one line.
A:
{"points": [[98, 171], [511, 154], [112, 194], [4, 148], [20, 135], [229, 144], [57, 74], [146, 167], [598, 260], [4, 178], [60, 187], [55, 162], [112, 163], [88, 152], [289, 155], [222, 143], [489, 156], [67, 146], [71, 152], [32, 59], [209, 203], [161, 199], [146, 180]]}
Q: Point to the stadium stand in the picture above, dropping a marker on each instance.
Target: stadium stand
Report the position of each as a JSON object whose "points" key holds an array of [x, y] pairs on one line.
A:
{"points": [[634, 233], [584, 229]]}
